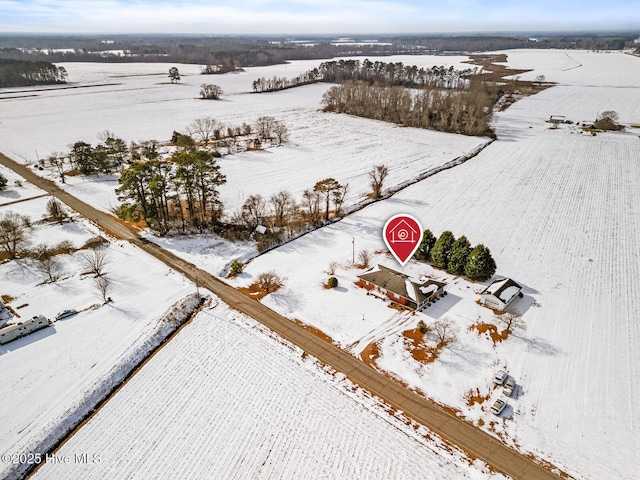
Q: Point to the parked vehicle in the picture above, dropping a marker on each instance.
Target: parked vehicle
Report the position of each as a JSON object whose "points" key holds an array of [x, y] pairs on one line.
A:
{"points": [[498, 407], [509, 385], [500, 377], [13, 332], [66, 314]]}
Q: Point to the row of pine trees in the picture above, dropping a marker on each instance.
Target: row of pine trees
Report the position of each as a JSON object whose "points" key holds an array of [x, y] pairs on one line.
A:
{"points": [[457, 256]]}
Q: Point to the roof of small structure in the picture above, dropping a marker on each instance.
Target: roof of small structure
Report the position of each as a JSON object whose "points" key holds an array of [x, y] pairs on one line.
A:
{"points": [[504, 289]]}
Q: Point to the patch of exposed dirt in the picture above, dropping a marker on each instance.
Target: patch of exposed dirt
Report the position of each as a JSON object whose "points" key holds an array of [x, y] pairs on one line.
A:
{"points": [[474, 396], [370, 354], [419, 350], [317, 332], [7, 298], [490, 331], [256, 292]]}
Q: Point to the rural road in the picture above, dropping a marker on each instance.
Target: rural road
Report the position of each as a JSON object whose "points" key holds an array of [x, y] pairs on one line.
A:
{"points": [[458, 432]]}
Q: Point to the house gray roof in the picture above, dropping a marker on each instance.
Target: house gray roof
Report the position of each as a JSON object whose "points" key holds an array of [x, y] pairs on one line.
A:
{"points": [[401, 284]]}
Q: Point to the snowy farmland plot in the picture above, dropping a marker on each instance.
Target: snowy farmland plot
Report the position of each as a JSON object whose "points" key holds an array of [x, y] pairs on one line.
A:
{"points": [[559, 209], [226, 399], [51, 377]]}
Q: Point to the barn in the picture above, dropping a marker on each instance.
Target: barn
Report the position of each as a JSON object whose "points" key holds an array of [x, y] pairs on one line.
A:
{"points": [[400, 288]]}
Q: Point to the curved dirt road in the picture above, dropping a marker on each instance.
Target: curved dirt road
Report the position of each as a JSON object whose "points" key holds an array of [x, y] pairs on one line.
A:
{"points": [[456, 431]]}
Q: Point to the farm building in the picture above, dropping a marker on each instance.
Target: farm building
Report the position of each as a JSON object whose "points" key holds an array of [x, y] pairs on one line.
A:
{"points": [[500, 294], [400, 288], [12, 332]]}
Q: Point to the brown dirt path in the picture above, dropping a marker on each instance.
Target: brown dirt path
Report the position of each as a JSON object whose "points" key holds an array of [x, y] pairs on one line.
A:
{"points": [[475, 442]]}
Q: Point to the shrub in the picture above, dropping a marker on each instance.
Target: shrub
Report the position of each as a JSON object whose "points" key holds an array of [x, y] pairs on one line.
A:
{"points": [[236, 268], [332, 282]]}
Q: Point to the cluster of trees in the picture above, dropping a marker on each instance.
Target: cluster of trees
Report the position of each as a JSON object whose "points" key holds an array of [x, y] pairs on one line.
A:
{"points": [[20, 73], [209, 91], [208, 131], [217, 69], [284, 216], [465, 111], [381, 73], [281, 83], [176, 194], [456, 255], [108, 155]]}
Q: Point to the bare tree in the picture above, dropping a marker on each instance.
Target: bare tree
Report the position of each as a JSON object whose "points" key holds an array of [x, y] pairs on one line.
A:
{"points": [[512, 321], [338, 196], [377, 176], [610, 114], [13, 237], [282, 204], [103, 286], [281, 132], [364, 257], [55, 210], [204, 128], [270, 280], [311, 201], [57, 161], [264, 128], [95, 260], [445, 332], [210, 91], [47, 262], [253, 211]]}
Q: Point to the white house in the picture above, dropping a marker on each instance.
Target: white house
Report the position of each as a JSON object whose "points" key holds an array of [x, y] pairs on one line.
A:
{"points": [[500, 294]]}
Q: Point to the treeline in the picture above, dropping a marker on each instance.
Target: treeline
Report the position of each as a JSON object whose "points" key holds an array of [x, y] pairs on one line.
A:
{"points": [[20, 73], [456, 256], [233, 52], [340, 71], [281, 83], [465, 111]]}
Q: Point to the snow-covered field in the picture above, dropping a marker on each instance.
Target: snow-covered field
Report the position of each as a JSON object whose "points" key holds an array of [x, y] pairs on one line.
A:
{"points": [[52, 375], [137, 102], [19, 191], [225, 399], [560, 212]]}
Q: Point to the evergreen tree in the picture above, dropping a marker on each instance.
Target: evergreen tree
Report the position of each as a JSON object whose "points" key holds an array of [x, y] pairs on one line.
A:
{"points": [[424, 250], [82, 158], [459, 253], [441, 251], [480, 264], [3, 182]]}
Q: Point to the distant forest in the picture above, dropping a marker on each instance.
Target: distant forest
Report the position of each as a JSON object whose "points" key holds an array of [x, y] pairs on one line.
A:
{"points": [[21, 73], [236, 51]]}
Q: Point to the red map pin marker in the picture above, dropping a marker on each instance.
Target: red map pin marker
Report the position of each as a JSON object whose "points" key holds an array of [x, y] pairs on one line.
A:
{"points": [[402, 233]]}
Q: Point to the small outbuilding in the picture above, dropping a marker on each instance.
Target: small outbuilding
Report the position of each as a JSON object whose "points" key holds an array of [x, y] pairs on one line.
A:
{"points": [[384, 282], [500, 294]]}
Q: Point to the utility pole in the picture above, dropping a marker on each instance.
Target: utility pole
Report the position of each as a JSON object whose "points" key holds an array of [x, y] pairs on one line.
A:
{"points": [[353, 250]]}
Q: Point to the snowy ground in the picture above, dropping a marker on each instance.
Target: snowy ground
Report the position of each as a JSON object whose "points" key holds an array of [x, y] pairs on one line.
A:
{"points": [[275, 414], [560, 211], [15, 192], [47, 375]]}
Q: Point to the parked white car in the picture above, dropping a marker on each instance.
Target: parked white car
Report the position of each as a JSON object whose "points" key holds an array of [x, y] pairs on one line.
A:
{"points": [[66, 314], [509, 385], [500, 377], [498, 407]]}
